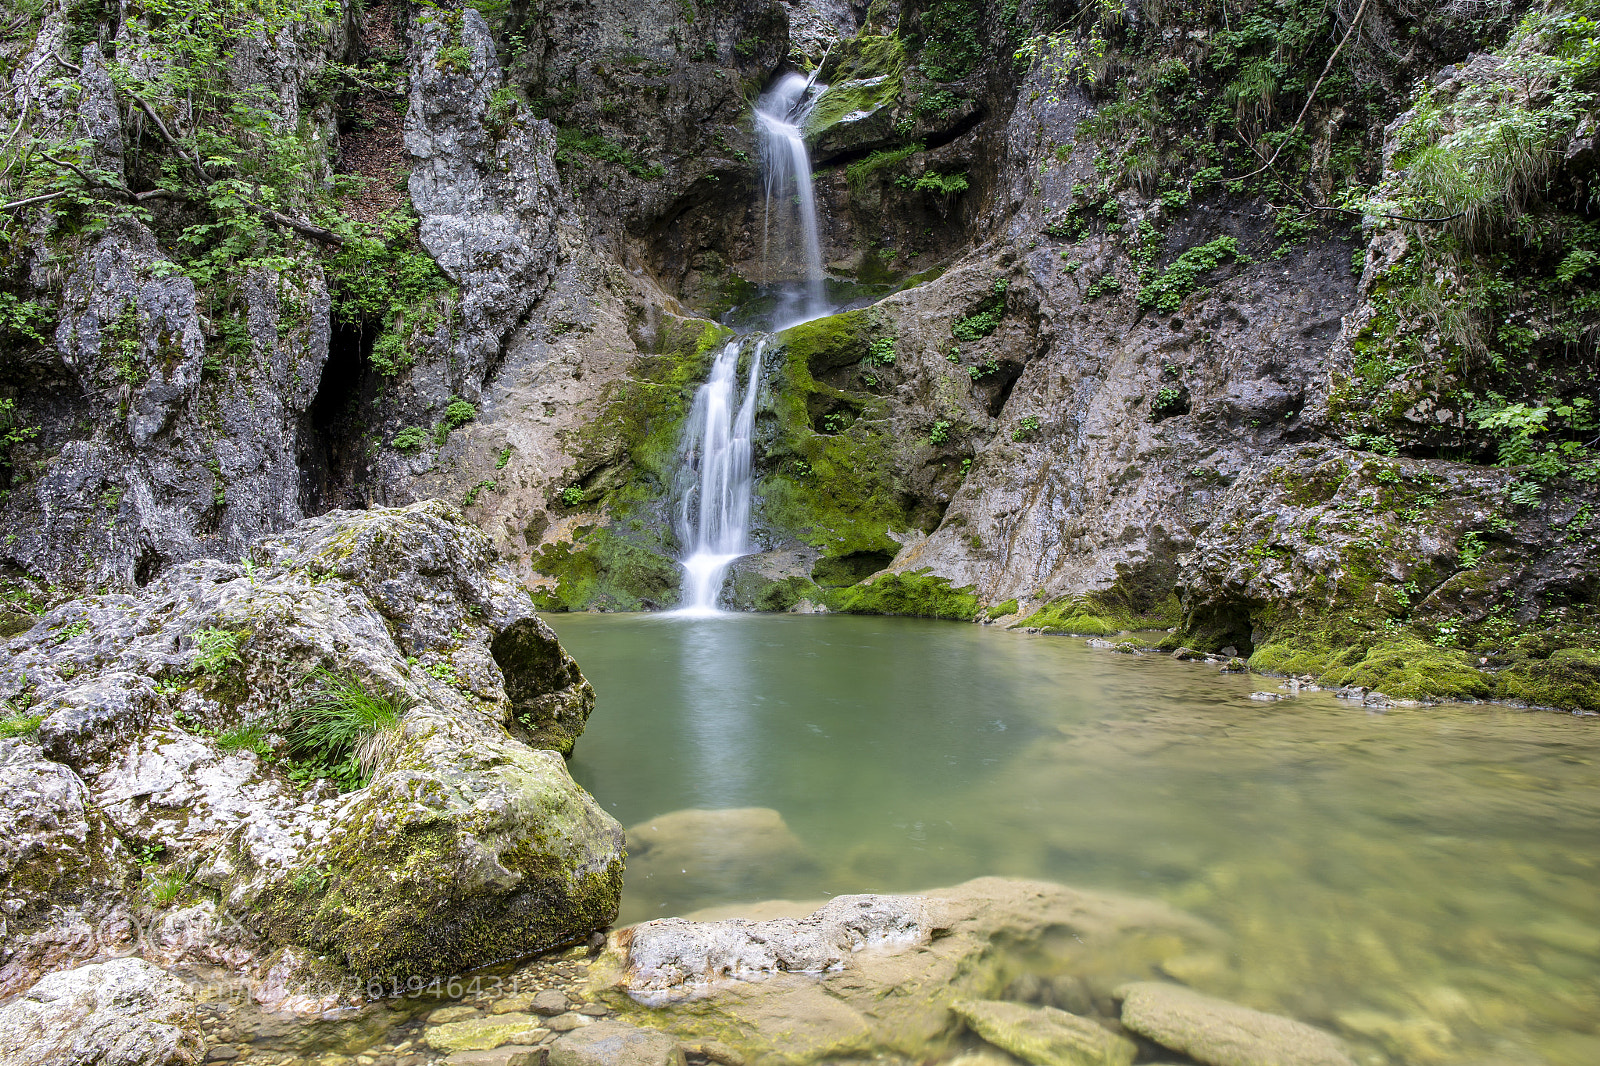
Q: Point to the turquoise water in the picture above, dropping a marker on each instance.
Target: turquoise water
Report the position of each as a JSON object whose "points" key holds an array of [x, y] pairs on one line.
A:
{"points": [[1426, 881]]}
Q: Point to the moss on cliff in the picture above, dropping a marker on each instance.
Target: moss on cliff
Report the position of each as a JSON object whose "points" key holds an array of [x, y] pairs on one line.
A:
{"points": [[918, 594], [834, 490], [1099, 615], [602, 569], [644, 412]]}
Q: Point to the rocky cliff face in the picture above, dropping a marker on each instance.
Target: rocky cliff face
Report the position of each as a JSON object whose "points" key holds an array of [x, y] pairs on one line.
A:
{"points": [[1119, 276]]}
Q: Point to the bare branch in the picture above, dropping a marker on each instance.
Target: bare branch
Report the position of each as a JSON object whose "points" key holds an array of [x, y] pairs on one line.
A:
{"points": [[13, 205], [299, 226]]}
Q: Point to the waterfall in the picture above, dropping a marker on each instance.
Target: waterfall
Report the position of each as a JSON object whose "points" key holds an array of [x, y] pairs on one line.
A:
{"points": [[713, 518], [786, 172], [714, 470]]}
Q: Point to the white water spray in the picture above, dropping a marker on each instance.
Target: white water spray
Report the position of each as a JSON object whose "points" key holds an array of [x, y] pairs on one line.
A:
{"points": [[713, 516], [786, 169]]}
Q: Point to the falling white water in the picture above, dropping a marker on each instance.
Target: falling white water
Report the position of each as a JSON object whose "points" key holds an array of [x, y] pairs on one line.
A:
{"points": [[713, 517], [714, 471], [786, 170]]}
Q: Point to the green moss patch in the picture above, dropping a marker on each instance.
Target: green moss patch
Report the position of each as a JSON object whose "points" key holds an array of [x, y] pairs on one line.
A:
{"points": [[646, 410], [918, 594], [1408, 668], [1098, 616], [837, 490], [601, 569]]}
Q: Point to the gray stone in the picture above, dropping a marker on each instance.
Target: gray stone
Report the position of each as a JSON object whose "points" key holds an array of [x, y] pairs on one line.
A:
{"points": [[612, 1043], [383, 597], [550, 1001], [1219, 1033], [120, 1013]]}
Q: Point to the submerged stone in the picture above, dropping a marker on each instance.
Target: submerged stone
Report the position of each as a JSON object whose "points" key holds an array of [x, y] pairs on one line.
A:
{"points": [[615, 1044], [1219, 1033], [1044, 1036], [483, 1034]]}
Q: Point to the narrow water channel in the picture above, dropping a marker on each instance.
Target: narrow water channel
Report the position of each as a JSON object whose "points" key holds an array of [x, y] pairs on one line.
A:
{"points": [[1423, 880]]}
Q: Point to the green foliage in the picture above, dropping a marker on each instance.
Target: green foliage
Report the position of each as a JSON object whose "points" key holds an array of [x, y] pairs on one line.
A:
{"points": [[948, 46], [13, 726], [1027, 428], [880, 352], [410, 439], [976, 326], [941, 184], [857, 173], [165, 888], [940, 433], [1166, 291], [458, 413], [340, 729], [245, 738], [571, 144], [216, 652], [572, 495]]}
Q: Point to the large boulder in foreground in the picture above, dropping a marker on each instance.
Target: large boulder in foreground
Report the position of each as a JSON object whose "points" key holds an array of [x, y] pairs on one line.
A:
{"points": [[173, 723], [120, 1013], [880, 974]]}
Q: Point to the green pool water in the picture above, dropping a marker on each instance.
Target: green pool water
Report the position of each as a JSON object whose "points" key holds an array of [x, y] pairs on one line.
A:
{"points": [[1425, 882]]}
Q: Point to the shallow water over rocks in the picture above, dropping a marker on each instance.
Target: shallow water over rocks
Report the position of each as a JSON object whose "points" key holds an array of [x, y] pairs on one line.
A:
{"points": [[1420, 884]]}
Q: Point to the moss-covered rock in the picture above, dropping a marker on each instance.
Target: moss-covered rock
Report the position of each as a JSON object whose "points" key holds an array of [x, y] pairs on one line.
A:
{"points": [[918, 594], [1098, 616], [494, 842], [603, 569], [1407, 668]]}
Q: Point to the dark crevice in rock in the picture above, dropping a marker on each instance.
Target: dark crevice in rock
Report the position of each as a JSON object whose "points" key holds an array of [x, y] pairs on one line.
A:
{"points": [[333, 447]]}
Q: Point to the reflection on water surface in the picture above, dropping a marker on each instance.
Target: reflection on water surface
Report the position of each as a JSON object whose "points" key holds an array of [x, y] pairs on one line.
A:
{"points": [[1423, 882]]}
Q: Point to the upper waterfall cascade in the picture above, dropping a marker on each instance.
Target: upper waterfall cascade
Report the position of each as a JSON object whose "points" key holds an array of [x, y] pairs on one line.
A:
{"points": [[712, 518]]}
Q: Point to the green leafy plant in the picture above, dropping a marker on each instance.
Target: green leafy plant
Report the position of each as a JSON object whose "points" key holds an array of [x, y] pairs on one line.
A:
{"points": [[410, 439], [164, 889], [341, 729], [940, 432], [1167, 290], [572, 495], [216, 651], [244, 738], [1027, 429]]}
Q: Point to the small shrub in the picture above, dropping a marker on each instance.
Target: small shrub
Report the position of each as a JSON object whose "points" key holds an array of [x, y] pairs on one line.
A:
{"points": [[410, 439], [939, 433], [572, 496]]}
